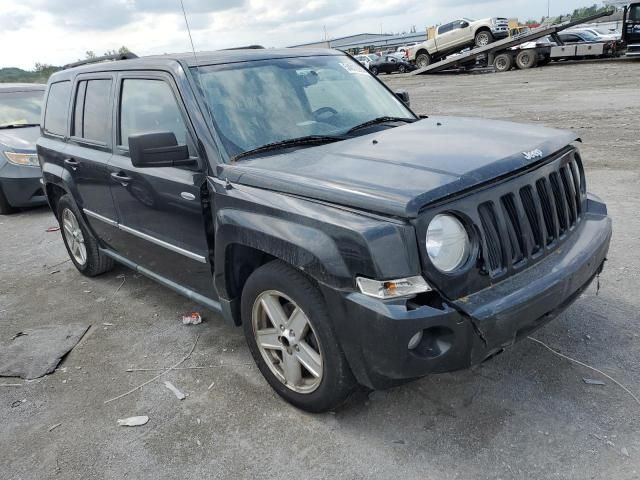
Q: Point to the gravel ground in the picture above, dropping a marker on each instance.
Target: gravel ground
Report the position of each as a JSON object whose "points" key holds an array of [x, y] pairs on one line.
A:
{"points": [[525, 414]]}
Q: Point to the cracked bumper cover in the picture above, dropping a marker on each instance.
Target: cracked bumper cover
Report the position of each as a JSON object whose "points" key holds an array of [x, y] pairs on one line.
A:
{"points": [[374, 334]]}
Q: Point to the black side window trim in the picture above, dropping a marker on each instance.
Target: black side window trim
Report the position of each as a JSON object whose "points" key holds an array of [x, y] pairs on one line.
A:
{"points": [[71, 120], [49, 133], [168, 79]]}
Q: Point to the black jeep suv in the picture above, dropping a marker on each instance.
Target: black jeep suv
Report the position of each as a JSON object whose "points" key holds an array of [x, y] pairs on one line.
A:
{"points": [[291, 191]]}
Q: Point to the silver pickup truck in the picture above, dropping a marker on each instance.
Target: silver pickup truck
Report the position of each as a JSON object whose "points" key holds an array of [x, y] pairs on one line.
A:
{"points": [[458, 35]]}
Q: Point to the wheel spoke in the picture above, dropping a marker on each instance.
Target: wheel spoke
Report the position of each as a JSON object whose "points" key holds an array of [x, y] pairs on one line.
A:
{"points": [[311, 360], [274, 311], [268, 338], [298, 322], [291, 369]]}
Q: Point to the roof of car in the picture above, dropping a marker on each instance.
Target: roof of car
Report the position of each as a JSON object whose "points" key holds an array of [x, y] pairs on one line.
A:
{"points": [[21, 87], [203, 58]]}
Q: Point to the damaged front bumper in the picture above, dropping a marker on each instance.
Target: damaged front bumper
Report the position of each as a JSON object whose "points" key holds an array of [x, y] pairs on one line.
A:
{"points": [[375, 334]]}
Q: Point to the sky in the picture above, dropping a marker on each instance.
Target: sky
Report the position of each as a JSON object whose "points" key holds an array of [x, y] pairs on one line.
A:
{"points": [[61, 31]]}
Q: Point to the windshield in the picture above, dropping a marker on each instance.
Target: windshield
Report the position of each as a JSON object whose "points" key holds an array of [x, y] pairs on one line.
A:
{"points": [[589, 37], [263, 102], [20, 108]]}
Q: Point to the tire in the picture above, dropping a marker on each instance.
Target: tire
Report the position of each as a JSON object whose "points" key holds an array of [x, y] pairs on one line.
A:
{"points": [[374, 70], [402, 69], [5, 206], [483, 38], [278, 284], [503, 62], [526, 59], [545, 61], [423, 60], [92, 263]]}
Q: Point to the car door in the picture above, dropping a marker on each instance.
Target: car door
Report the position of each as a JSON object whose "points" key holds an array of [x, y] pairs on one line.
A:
{"points": [[89, 150], [444, 37], [160, 209], [459, 33], [391, 64]]}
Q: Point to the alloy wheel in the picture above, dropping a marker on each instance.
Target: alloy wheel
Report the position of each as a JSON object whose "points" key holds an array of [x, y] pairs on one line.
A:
{"points": [[74, 237], [287, 342]]}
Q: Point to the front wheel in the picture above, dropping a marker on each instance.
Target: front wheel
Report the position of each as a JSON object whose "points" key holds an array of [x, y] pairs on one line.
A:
{"points": [[402, 69], [374, 70], [289, 333], [484, 38]]}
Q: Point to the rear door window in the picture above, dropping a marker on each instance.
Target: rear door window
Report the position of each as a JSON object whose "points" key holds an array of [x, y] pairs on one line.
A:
{"points": [[445, 28], [57, 109], [92, 110]]}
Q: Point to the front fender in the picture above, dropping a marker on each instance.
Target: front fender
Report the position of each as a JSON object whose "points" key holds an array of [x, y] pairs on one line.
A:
{"points": [[330, 244]]}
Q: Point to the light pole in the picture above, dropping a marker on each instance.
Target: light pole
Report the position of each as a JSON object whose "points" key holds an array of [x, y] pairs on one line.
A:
{"points": [[548, 8]]}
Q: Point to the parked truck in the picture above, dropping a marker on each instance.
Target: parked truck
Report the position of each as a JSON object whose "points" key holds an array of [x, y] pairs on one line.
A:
{"points": [[455, 36], [631, 30]]}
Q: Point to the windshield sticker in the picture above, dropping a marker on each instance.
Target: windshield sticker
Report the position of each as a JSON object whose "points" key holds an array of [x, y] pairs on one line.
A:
{"points": [[352, 68]]}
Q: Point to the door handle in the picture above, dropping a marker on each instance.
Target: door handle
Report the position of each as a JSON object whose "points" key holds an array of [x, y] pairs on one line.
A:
{"points": [[121, 178], [70, 162]]}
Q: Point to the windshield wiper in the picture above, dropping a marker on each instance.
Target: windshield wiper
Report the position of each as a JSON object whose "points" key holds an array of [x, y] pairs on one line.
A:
{"points": [[293, 142], [378, 120], [19, 125]]}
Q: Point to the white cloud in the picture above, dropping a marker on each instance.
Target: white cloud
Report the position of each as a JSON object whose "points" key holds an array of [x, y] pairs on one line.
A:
{"points": [[61, 31]]}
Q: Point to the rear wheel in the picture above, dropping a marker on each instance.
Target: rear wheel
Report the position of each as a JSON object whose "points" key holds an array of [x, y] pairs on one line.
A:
{"points": [[503, 62], [81, 245], [526, 59], [483, 38], [423, 60], [288, 330], [5, 206]]}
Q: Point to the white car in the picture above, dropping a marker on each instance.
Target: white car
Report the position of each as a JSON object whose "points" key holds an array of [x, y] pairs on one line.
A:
{"points": [[366, 59]]}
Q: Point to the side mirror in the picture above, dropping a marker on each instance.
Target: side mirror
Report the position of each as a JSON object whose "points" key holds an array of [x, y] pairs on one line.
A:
{"points": [[158, 149], [404, 96], [464, 24]]}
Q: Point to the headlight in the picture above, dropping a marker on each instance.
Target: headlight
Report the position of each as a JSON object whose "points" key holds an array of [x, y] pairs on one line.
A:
{"points": [[28, 159], [448, 244], [392, 288]]}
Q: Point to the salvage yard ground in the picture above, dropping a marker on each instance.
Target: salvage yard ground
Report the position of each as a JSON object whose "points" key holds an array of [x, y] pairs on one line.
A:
{"points": [[525, 414]]}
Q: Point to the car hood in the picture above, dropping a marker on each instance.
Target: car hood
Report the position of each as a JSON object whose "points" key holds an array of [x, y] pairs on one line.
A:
{"points": [[398, 171], [19, 139]]}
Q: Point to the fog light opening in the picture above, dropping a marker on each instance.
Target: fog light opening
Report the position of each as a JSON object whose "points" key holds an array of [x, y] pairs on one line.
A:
{"points": [[415, 340]]}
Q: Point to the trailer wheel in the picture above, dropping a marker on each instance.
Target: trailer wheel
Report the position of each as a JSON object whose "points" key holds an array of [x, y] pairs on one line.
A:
{"points": [[423, 60], [503, 62], [526, 59]]}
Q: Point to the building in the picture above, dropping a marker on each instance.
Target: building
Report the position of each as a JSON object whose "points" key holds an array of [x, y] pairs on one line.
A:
{"points": [[366, 41]]}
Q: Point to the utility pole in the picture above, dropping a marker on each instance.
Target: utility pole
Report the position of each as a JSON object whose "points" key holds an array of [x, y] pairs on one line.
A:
{"points": [[548, 8]]}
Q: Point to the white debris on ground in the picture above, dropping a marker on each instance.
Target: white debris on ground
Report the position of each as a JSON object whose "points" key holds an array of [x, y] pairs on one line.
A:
{"points": [[179, 395], [133, 421], [193, 318]]}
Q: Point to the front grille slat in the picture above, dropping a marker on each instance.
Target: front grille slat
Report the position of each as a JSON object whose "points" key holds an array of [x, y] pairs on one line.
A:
{"points": [[492, 243], [534, 216], [522, 224], [560, 200]]}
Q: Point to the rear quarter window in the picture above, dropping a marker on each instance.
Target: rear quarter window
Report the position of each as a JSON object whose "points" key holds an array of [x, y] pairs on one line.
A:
{"points": [[57, 109]]}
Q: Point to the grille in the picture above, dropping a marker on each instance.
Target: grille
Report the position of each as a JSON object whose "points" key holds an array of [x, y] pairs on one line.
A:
{"points": [[534, 216]]}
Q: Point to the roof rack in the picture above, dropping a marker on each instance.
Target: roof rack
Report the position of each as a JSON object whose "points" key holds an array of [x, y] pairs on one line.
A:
{"points": [[248, 47], [118, 56]]}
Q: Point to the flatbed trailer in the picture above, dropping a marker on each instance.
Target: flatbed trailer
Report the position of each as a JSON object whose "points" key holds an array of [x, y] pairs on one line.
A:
{"points": [[489, 53]]}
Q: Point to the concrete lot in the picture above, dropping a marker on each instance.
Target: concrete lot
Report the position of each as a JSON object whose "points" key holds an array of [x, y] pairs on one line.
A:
{"points": [[526, 414]]}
